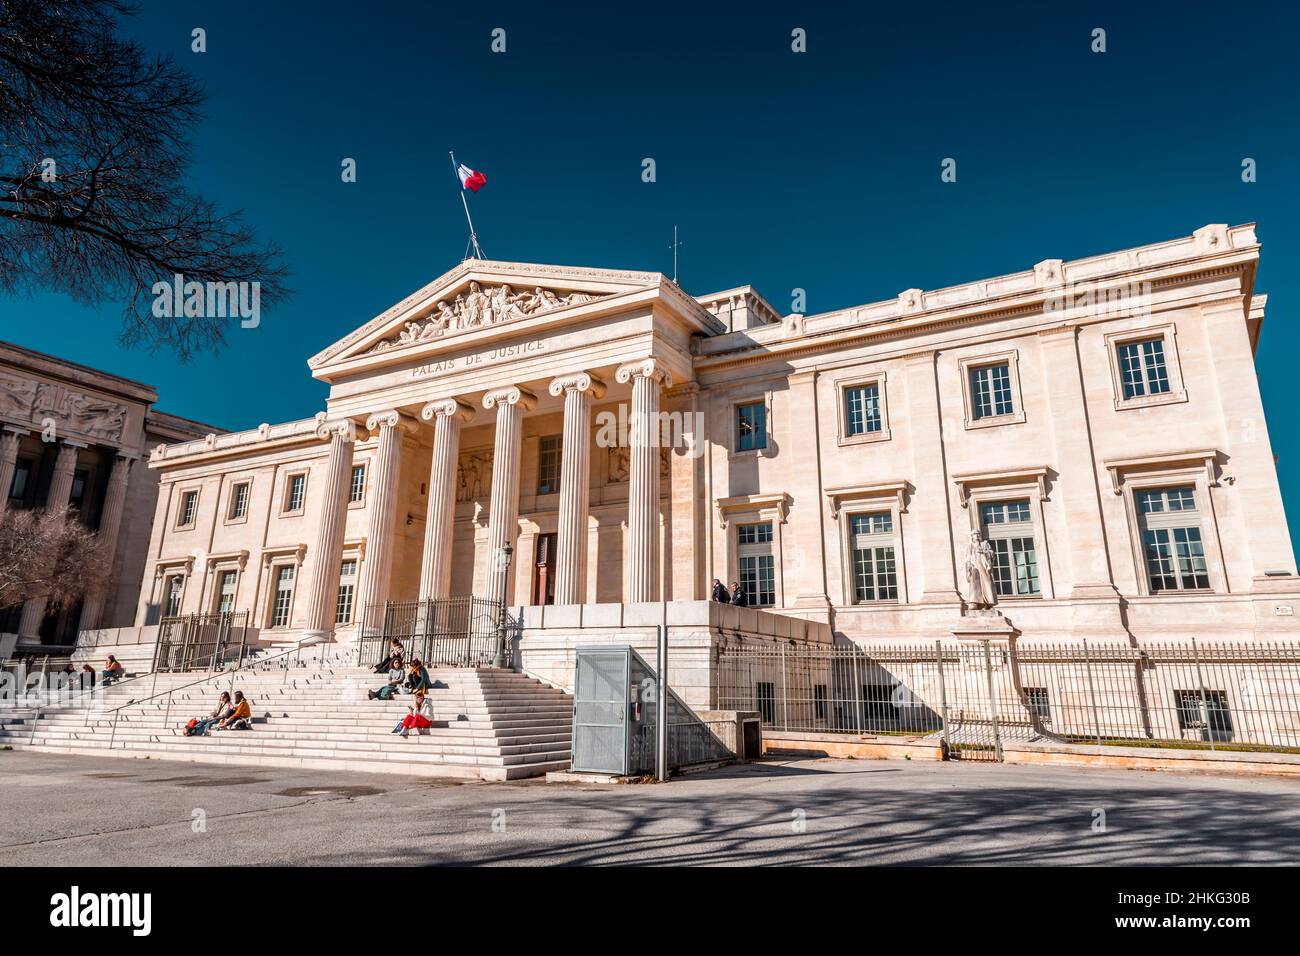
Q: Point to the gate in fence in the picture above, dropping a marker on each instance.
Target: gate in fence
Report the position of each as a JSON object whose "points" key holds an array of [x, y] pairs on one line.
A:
{"points": [[201, 641], [978, 696], [449, 632]]}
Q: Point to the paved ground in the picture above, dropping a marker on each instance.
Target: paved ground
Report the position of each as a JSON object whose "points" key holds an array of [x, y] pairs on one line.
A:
{"points": [[112, 811]]}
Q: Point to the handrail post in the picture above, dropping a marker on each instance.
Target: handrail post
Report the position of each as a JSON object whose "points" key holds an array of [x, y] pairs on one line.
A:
{"points": [[993, 700], [1092, 694]]}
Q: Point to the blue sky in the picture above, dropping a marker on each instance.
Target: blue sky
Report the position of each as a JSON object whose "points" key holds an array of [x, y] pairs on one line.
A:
{"points": [[818, 170]]}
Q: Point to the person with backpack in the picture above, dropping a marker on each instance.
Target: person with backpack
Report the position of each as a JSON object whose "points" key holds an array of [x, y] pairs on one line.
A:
{"points": [[720, 592], [418, 717], [202, 726]]}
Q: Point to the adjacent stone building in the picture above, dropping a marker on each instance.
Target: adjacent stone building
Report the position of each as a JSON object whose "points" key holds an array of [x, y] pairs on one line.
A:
{"points": [[1098, 421], [76, 435]]}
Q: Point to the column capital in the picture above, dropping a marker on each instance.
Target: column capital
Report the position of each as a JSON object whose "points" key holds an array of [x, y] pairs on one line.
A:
{"points": [[390, 418], [329, 428], [577, 382], [650, 368], [447, 408], [510, 395]]}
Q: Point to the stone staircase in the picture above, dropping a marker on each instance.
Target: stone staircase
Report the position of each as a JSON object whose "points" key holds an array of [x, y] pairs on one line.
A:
{"points": [[488, 724]]}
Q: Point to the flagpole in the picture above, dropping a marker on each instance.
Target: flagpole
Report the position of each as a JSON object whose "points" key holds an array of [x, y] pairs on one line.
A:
{"points": [[473, 238]]}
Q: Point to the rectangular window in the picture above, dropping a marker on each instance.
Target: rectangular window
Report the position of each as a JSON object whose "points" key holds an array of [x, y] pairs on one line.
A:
{"points": [[819, 701], [875, 577], [357, 486], [295, 492], [1009, 530], [757, 564], [77, 497], [226, 592], [1039, 705], [765, 698], [173, 588], [1142, 367], [751, 426], [22, 479], [347, 590], [862, 409], [283, 596], [1171, 539], [1210, 711], [188, 510], [990, 389], [238, 501], [548, 465]]}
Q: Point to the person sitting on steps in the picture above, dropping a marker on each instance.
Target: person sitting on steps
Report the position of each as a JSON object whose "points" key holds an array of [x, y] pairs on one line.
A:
{"points": [[395, 674], [113, 671], [417, 681], [203, 727], [419, 717], [240, 718]]}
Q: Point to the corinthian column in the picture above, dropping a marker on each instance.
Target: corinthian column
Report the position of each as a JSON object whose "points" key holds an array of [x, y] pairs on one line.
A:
{"points": [[575, 490], [448, 415], [65, 465], [647, 378], [110, 522], [323, 595], [9, 439], [372, 585], [503, 514]]}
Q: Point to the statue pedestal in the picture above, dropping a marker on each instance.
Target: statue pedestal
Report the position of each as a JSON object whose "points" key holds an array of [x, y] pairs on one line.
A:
{"points": [[984, 625]]}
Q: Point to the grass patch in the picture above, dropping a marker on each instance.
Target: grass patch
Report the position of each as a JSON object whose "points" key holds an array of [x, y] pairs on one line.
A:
{"points": [[1219, 747]]}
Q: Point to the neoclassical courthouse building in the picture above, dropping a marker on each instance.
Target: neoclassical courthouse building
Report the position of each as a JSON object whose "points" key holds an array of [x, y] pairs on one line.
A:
{"points": [[1099, 422]]}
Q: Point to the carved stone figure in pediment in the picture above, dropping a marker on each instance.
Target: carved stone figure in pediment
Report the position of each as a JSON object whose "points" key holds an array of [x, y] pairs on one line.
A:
{"points": [[92, 416], [478, 306], [619, 463], [16, 398]]}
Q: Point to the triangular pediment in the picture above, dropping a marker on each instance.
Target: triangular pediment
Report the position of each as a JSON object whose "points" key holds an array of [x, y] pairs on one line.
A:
{"points": [[480, 294]]}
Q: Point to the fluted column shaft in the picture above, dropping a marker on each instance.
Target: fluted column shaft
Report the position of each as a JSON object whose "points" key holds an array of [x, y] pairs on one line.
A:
{"points": [[110, 523], [383, 480], [575, 489], [8, 459], [647, 379], [503, 513], [65, 465], [448, 416], [323, 595]]}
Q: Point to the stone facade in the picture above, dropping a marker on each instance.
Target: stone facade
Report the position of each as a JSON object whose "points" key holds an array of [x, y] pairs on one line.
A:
{"points": [[1098, 421], [77, 435]]}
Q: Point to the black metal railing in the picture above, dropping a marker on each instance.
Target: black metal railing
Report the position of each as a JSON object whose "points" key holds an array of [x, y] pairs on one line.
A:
{"points": [[201, 641], [448, 632]]}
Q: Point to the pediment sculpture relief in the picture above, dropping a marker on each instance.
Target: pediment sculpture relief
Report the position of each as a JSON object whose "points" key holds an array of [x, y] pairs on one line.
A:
{"points": [[480, 306], [24, 401], [619, 463]]}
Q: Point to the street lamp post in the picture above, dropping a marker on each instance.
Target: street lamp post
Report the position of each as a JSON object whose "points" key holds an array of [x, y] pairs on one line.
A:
{"points": [[503, 556]]}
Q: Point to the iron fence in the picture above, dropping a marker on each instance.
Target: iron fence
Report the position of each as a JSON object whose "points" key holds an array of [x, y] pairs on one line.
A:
{"points": [[201, 641], [976, 695], [448, 632]]}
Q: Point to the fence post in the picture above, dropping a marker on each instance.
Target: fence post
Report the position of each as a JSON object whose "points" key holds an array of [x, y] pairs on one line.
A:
{"points": [[993, 700], [943, 694], [785, 693], [1200, 683], [1092, 695]]}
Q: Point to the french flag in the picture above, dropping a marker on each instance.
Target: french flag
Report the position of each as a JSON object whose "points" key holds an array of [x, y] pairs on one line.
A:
{"points": [[470, 179]]}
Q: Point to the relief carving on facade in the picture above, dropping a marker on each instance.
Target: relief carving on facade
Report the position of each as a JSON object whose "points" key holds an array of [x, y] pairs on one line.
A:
{"points": [[619, 463], [474, 476], [23, 401], [478, 307]]}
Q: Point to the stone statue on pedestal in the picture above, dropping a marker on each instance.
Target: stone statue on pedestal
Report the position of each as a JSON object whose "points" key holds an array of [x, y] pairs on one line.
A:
{"points": [[979, 591]]}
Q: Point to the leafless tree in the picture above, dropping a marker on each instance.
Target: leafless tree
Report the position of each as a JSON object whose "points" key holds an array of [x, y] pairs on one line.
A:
{"points": [[112, 217], [49, 554]]}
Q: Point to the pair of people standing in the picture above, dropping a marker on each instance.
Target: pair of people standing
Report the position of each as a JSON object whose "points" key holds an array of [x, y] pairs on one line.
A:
{"points": [[736, 595]]}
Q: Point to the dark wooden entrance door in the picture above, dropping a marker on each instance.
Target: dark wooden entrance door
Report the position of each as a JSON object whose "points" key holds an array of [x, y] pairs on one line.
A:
{"points": [[544, 578]]}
